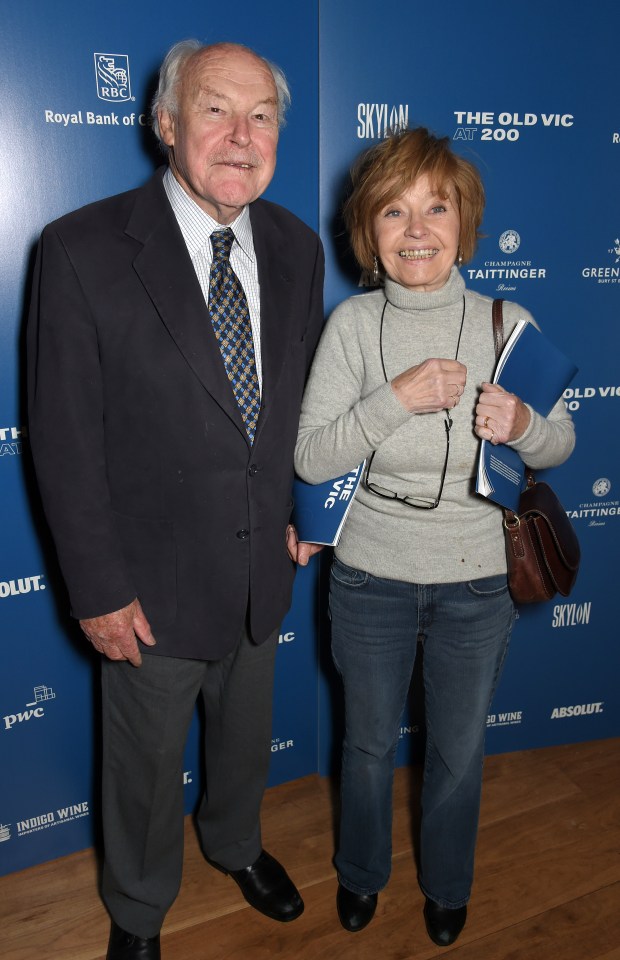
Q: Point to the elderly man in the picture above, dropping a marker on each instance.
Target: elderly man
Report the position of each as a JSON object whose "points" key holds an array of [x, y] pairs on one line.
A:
{"points": [[170, 334]]}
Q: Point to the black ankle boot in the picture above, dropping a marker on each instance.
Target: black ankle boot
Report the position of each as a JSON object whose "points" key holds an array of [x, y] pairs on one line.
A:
{"points": [[443, 924]]}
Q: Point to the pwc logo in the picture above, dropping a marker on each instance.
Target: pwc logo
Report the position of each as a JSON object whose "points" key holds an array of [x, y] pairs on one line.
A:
{"points": [[34, 710]]}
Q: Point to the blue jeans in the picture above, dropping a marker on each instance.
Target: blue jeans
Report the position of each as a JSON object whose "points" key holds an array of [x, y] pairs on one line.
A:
{"points": [[465, 630]]}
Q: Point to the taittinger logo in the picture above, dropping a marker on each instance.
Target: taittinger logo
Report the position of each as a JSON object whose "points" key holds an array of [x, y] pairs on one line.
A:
{"points": [[507, 271]]}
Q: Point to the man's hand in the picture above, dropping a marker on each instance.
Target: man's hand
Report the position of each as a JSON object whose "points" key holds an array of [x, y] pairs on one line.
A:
{"points": [[298, 551], [114, 634]]}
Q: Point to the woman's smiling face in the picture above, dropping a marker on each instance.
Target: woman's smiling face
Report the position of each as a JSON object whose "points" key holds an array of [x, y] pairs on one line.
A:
{"points": [[417, 236]]}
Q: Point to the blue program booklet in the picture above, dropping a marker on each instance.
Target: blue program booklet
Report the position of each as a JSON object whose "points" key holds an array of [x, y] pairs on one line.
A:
{"points": [[320, 510], [536, 371]]}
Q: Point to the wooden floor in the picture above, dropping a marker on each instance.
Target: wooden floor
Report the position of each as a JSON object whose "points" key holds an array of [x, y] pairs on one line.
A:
{"points": [[547, 880]]}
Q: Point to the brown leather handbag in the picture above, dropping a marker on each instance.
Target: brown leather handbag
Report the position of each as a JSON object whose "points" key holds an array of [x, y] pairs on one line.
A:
{"points": [[542, 550]]}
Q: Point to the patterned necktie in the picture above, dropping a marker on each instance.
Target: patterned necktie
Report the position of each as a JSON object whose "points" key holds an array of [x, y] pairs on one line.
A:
{"points": [[230, 316]]}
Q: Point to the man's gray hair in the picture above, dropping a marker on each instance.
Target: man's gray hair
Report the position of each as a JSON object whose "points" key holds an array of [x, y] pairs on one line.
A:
{"points": [[171, 71]]}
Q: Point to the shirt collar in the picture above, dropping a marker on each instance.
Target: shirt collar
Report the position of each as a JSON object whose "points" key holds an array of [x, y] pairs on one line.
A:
{"points": [[197, 226]]}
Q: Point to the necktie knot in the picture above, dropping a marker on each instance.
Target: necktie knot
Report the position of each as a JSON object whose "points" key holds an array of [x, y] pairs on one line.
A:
{"points": [[221, 242]]}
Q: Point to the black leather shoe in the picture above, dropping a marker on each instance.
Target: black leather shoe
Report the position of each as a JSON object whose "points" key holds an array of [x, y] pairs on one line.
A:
{"points": [[125, 946], [355, 910], [268, 888], [443, 923]]}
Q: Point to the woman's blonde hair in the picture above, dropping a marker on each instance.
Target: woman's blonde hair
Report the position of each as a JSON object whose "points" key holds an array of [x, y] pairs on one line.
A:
{"points": [[386, 170]]}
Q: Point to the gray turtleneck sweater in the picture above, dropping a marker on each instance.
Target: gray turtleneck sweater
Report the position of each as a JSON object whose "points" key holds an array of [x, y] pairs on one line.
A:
{"points": [[349, 410]]}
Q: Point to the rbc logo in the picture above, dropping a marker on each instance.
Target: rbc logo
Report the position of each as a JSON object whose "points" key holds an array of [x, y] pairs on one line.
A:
{"points": [[112, 74]]}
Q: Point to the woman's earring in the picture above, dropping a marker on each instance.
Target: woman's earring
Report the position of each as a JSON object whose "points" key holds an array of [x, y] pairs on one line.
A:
{"points": [[459, 258], [371, 278]]}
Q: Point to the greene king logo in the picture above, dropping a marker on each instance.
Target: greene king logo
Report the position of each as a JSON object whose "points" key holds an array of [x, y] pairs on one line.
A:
{"points": [[606, 274], [112, 75]]}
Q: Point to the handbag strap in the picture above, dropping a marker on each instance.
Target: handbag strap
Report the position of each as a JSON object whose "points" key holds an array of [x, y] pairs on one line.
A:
{"points": [[497, 315]]}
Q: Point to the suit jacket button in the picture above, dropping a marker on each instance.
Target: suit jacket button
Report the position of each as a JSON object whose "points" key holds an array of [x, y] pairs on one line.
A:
{"points": [[243, 534], [253, 470]]}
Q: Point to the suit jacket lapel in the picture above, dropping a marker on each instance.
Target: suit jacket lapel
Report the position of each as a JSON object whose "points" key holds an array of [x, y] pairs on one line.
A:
{"points": [[168, 276], [275, 273]]}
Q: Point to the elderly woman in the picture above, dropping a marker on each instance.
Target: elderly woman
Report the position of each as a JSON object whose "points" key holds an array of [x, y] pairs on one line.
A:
{"points": [[401, 379]]}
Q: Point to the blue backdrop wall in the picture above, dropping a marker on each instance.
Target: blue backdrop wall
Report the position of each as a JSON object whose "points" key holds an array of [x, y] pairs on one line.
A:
{"points": [[523, 92], [530, 97]]}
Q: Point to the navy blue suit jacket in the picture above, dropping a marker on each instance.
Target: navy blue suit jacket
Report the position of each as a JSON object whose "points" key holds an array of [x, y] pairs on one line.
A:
{"points": [[147, 477]]}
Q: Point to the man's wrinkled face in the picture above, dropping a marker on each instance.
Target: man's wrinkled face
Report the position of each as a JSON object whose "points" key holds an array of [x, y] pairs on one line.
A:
{"points": [[224, 135]]}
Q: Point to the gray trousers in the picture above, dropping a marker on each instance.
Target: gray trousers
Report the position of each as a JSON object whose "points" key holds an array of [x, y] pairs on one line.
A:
{"points": [[146, 716]]}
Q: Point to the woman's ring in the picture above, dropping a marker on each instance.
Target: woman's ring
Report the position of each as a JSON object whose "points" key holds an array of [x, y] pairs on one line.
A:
{"points": [[492, 437], [486, 422]]}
